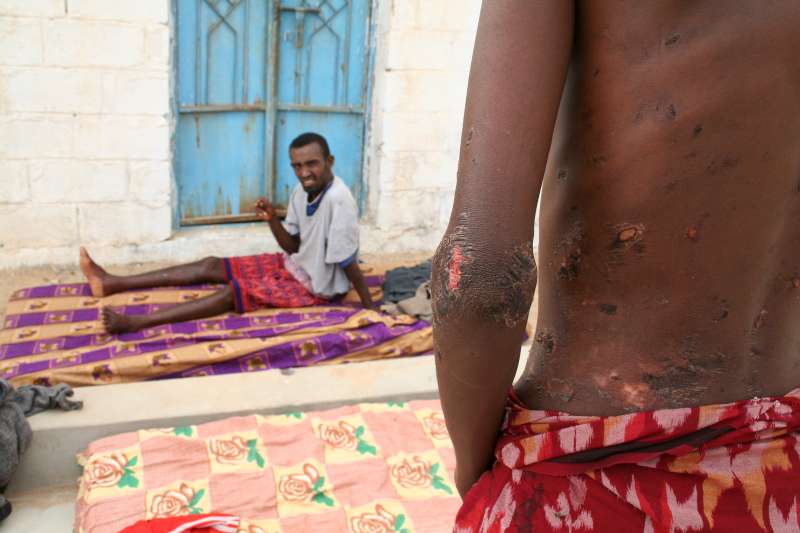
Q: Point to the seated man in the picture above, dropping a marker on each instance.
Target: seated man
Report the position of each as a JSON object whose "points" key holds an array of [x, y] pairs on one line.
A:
{"points": [[661, 393], [320, 236]]}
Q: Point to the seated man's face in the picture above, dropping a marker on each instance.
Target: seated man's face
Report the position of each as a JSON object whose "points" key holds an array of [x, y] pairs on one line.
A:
{"points": [[312, 169]]}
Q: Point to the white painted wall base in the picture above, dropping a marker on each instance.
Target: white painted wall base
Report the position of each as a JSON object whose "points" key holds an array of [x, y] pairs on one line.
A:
{"points": [[195, 243]]}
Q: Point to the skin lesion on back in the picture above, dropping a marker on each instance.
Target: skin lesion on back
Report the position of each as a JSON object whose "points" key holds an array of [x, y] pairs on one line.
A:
{"points": [[494, 284]]}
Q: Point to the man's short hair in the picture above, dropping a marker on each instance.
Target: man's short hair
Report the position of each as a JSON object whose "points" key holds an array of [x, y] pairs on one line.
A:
{"points": [[307, 138]]}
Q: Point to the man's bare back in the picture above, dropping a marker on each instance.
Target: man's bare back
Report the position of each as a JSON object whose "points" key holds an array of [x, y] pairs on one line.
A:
{"points": [[669, 257], [663, 139]]}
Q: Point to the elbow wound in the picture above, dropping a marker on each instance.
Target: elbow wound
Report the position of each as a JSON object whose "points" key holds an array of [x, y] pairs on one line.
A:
{"points": [[487, 286]]}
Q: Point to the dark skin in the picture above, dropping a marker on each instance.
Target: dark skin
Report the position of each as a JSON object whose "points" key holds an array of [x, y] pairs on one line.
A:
{"points": [[663, 138], [314, 172]]}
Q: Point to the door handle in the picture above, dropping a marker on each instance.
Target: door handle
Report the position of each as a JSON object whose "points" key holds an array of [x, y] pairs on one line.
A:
{"points": [[299, 17]]}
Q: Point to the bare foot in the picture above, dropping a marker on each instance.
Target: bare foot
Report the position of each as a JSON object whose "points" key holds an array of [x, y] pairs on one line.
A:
{"points": [[94, 274], [114, 322]]}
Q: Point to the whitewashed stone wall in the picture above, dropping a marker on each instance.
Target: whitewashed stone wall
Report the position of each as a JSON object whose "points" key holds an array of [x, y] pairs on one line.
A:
{"points": [[85, 131], [84, 126], [422, 66]]}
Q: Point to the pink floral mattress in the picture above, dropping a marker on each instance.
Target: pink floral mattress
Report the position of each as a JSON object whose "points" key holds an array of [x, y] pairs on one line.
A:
{"points": [[366, 468]]}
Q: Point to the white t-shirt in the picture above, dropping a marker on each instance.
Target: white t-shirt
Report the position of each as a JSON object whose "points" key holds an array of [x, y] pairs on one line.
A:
{"points": [[328, 230]]}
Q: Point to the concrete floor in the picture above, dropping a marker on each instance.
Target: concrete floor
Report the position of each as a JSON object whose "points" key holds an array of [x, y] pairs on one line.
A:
{"points": [[50, 510]]}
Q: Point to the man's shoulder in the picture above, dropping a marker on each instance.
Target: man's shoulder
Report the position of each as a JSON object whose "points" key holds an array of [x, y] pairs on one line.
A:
{"points": [[296, 193], [340, 193]]}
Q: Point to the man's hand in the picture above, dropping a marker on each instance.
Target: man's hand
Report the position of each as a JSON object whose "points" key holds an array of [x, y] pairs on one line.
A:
{"points": [[264, 210], [356, 277]]}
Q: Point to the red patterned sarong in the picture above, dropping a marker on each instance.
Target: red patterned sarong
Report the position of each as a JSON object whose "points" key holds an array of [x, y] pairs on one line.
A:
{"points": [[196, 523], [728, 467], [260, 281]]}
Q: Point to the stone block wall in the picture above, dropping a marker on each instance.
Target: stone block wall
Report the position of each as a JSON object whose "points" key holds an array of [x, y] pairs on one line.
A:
{"points": [[84, 124], [86, 131], [421, 71]]}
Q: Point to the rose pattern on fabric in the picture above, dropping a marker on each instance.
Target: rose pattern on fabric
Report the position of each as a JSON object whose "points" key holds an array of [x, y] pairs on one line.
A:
{"points": [[105, 471], [341, 436], [381, 521], [436, 426], [176, 502], [298, 487], [345, 436], [304, 487], [416, 472], [229, 451], [413, 472], [353, 511]]}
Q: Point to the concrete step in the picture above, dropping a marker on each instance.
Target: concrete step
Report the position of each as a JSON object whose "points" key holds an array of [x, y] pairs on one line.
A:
{"points": [[47, 510]]}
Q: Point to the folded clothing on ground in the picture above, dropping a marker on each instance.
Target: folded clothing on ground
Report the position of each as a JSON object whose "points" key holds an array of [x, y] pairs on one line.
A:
{"points": [[15, 431], [402, 283]]}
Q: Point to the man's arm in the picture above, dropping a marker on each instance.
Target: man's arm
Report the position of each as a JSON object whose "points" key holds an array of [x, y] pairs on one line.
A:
{"points": [[356, 277], [266, 212], [484, 272]]}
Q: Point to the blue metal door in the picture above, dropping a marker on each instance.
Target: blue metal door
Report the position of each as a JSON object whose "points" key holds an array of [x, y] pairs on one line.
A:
{"points": [[252, 74], [322, 83]]}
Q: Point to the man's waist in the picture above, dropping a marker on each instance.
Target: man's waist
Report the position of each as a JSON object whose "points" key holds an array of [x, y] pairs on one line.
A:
{"points": [[323, 288], [298, 273]]}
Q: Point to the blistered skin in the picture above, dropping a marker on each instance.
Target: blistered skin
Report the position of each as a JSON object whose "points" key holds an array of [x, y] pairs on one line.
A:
{"points": [[670, 242], [491, 285]]}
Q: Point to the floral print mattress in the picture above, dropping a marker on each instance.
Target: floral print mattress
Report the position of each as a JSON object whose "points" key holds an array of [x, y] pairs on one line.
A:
{"points": [[366, 468]]}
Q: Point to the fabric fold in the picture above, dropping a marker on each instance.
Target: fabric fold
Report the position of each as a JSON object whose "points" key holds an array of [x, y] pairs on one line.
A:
{"points": [[733, 466]]}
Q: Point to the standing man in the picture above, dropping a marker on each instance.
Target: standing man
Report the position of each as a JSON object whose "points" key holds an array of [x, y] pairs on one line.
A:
{"points": [[661, 391], [319, 237]]}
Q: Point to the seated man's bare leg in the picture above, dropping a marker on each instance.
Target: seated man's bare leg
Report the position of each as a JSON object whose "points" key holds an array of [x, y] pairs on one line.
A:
{"points": [[215, 304], [208, 270]]}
